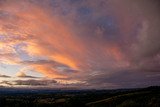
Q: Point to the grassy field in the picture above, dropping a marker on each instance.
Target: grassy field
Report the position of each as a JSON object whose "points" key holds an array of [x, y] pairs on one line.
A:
{"points": [[146, 97]]}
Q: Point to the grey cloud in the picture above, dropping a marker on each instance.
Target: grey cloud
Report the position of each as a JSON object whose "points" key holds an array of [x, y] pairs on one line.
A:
{"points": [[4, 76], [6, 82], [124, 78], [28, 76], [32, 82], [24, 75]]}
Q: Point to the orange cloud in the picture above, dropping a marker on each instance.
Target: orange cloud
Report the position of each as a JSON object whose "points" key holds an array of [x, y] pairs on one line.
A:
{"points": [[20, 74], [50, 36], [48, 71], [65, 60]]}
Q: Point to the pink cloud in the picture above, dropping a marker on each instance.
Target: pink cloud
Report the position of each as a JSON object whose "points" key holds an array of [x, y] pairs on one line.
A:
{"points": [[93, 37]]}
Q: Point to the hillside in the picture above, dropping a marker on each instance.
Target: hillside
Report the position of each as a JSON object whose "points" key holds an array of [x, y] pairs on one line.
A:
{"points": [[142, 97], [149, 97]]}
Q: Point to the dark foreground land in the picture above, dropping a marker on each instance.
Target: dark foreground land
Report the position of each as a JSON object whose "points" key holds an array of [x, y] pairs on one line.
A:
{"points": [[146, 97]]}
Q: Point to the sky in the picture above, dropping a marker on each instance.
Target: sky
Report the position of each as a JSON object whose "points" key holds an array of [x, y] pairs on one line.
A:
{"points": [[82, 44]]}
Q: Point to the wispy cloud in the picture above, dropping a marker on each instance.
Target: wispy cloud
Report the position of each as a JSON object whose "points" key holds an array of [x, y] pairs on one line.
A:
{"points": [[23, 75]]}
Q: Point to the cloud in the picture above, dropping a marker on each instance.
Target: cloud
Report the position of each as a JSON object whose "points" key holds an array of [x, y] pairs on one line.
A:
{"points": [[74, 40], [124, 78], [23, 75], [32, 82], [6, 83], [9, 58], [59, 70], [4, 76]]}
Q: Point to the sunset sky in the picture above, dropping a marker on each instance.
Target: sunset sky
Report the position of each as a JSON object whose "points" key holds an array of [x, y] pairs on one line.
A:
{"points": [[83, 44]]}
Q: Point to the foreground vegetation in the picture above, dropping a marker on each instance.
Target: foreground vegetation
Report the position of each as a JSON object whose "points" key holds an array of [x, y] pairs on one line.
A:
{"points": [[147, 97]]}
